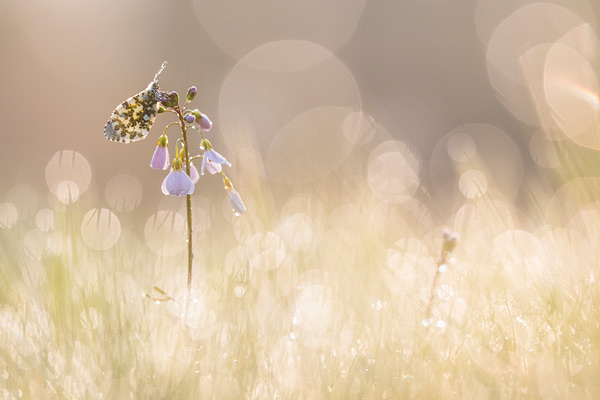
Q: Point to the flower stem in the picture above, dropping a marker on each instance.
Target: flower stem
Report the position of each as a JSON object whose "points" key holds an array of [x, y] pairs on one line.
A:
{"points": [[442, 260], [188, 199]]}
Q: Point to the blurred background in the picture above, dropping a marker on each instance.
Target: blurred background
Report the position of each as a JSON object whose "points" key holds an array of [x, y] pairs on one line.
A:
{"points": [[302, 91], [357, 130]]}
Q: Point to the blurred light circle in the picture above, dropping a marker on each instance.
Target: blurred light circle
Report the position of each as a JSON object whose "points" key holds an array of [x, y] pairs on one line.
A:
{"points": [[393, 171], [239, 291], [67, 192], [544, 151], [516, 54], [256, 104], [34, 243], [44, 219], [124, 193], [283, 359], [496, 156], [246, 226], [490, 13], [313, 308], [571, 198], [236, 261], [68, 166], [8, 215], [300, 232], [522, 257], [34, 272], [472, 183], [128, 251], [265, 251], [568, 249], [165, 233], [359, 128], [233, 25], [24, 198], [317, 314], [100, 228], [252, 175], [303, 203], [461, 147], [56, 243], [528, 27], [309, 146], [480, 221], [406, 266], [571, 88]]}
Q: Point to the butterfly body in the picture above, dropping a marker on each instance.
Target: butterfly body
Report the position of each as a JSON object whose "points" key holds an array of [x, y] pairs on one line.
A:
{"points": [[131, 120]]}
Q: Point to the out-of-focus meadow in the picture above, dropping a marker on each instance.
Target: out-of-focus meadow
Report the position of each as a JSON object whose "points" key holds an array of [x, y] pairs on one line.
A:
{"points": [[357, 131]]}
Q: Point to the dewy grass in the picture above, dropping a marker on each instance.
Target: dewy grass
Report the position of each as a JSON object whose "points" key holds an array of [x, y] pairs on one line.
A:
{"points": [[280, 316]]}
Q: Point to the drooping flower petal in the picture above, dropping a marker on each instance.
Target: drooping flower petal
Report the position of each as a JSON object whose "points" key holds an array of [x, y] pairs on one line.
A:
{"points": [[210, 166], [236, 202], [213, 156], [177, 183], [160, 158], [194, 175]]}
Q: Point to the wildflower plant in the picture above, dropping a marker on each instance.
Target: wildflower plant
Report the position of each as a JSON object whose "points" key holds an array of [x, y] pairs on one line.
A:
{"points": [[131, 121], [449, 240]]}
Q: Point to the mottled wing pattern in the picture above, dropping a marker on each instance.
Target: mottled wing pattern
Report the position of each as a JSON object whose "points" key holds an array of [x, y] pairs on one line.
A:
{"points": [[133, 118]]}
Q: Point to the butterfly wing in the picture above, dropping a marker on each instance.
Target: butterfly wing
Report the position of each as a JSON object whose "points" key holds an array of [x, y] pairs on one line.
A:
{"points": [[131, 121]]}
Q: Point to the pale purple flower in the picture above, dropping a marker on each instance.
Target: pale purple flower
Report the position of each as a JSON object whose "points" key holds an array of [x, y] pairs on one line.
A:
{"points": [[189, 118], [234, 198], [236, 202], [204, 122], [160, 158], [210, 166], [177, 183], [194, 175], [212, 155]]}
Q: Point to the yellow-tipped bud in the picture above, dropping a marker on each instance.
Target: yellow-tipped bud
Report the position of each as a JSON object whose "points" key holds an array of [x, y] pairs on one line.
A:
{"points": [[177, 164], [163, 141], [227, 183]]}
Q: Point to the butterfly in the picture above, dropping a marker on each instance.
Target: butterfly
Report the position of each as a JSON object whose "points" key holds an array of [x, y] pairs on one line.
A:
{"points": [[133, 118]]}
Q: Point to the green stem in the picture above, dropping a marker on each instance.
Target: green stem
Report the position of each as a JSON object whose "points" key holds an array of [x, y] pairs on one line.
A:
{"points": [[198, 129], [188, 199]]}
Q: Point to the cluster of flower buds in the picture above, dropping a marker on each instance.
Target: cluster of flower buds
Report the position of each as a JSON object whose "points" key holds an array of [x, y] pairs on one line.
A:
{"points": [[178, 182]]}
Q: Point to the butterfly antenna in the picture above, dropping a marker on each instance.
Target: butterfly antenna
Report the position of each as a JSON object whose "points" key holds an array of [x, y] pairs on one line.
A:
{"points": [[160, 70]]}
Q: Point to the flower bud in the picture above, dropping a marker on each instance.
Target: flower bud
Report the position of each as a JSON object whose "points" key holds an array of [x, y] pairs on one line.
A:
{"points": [[189, 118], [205, 123], [161, 109], [202, 120], [196, 113], [177, 164], [449, 241], [191, 93], [170, 99]]}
